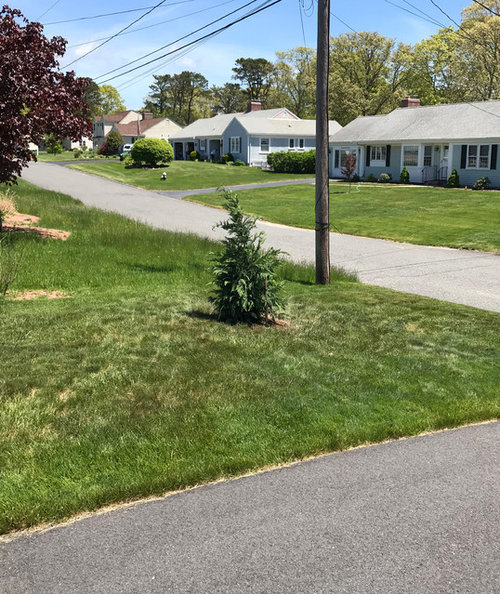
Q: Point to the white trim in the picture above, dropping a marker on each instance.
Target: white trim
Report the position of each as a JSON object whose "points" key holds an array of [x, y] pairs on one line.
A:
{"points": [[419, 155], [268, 138], [235, 144], [478, 157]]}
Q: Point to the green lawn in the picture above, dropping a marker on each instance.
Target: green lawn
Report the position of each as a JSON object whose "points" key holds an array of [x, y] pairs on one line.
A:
{"points": [[44, 156], [131, 387], [185, 175], [428, 216]]}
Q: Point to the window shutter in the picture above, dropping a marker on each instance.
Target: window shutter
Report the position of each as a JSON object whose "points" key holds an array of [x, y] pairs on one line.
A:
{"points": [[368, 155], [388, 156], [494, 151], [463, 160], [337, 159]]}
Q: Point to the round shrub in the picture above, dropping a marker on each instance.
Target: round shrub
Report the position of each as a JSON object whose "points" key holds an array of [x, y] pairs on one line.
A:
{"points": [[152, 152], [239, 163], [483, 183], [194, 156], [385, 178]]}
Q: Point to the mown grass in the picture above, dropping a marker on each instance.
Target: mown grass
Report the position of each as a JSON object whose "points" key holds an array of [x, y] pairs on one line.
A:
{"points": [[427, 216], [44, 156], [131, 387], [184, 175]]}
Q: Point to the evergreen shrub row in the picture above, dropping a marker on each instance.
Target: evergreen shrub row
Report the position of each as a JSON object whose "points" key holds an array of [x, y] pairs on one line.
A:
{"points": [[291, 162]]}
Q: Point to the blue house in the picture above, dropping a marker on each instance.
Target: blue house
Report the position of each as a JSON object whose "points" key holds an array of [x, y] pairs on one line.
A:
{"points": [[248, 136], [430, 141]]}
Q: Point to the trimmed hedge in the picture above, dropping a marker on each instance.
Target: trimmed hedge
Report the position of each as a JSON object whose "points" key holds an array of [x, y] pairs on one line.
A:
{"points": [[291, 162], [152, 152]]}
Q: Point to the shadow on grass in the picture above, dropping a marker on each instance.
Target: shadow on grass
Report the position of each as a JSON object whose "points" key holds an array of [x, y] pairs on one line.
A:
{"points": [[153, 268], [203, 315]]}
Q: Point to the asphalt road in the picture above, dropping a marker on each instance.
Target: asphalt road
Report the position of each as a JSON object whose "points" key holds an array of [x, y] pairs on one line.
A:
{"points": [[459, 276], [416, 516]]}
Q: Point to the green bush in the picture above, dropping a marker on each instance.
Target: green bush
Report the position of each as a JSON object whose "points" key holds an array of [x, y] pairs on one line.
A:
{"points": [[194, 156], [53, 144], [385, 178], [239, 163], [152, 152], [225, 158], [453, 180], [291, 162], [246, 288], [77, 153], [483, 183], [356, 178], [404, 178], [114, 141], [371, 178]]}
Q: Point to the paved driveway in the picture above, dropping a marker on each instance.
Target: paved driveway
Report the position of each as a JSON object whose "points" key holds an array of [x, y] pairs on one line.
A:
{"points": [[459, 276], [418, 516]]}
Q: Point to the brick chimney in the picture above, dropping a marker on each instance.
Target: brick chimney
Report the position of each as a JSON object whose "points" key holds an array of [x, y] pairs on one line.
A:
{"points": [[410, 102], [147, 115], [254, 105]]}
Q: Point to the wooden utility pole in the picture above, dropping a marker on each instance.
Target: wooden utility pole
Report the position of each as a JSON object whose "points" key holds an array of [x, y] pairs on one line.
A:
{"points": [[322, 182]]}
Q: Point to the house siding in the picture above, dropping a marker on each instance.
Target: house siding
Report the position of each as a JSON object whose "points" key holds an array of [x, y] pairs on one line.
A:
{"points": [[235, 130], [469, 176], [276, 144], [394, 169]]}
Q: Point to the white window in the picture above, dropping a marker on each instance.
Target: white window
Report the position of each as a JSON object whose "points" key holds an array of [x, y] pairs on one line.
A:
{"points": [[410, 156], [202, 144], [296, 144], [427, 156], [235, 144], [478, 156], [378, 155], [343, 155], [264, 145]]}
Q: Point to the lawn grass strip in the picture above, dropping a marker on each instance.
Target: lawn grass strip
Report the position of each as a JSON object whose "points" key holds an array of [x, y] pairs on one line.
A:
{"points": [[48, 526]]}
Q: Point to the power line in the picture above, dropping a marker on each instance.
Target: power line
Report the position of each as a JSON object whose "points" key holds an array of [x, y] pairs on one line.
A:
{"points": [[301, 6], [426, 18], [445, 13], [49, 8], [208, 35], [343, 22], [183, 16], [487, 8], [96, 16], [116, 34], [176, 40]]}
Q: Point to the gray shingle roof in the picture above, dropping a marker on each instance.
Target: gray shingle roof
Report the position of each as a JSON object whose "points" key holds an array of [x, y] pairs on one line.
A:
{"points": [[270, 127], [458, 121], [206, 127]]}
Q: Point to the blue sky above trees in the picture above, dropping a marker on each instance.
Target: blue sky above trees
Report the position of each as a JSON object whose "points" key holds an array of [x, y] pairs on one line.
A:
{"points": [[277, 29]]}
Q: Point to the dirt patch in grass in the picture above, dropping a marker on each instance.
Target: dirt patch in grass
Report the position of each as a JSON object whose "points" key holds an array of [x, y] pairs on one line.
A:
{"points": [[24, 223], [34, 294]]}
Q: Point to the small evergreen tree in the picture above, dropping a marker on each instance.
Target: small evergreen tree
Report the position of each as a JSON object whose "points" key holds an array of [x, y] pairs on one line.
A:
{"points": [[114, 140], [404, 178], [453, 180], [246, 288], [53, 144]]}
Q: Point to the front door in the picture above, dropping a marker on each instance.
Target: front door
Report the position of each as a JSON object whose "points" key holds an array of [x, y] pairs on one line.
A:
{"points": [[443, 164]]}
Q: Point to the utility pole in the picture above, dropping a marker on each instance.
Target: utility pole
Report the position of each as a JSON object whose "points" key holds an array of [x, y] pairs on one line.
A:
{"points": [[322, 209]]}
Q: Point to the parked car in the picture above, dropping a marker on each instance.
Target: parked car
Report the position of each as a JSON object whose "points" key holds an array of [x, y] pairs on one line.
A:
{"points": [[125, 150]]}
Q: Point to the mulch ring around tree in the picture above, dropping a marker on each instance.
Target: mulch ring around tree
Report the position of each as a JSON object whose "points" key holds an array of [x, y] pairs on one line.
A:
{"points": [[20, 222]]}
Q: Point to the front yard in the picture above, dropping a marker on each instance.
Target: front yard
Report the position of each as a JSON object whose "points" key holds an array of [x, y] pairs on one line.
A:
{"points": [[184, 175], [129, 387], [427, 216]]}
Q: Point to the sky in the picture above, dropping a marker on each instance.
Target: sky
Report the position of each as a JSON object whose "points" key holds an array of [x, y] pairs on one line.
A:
{"points": [[288, 24]]}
